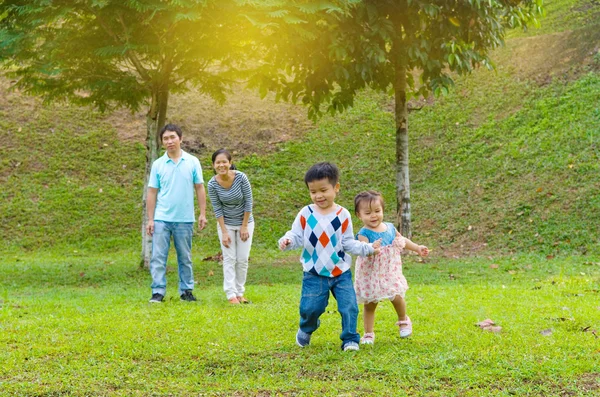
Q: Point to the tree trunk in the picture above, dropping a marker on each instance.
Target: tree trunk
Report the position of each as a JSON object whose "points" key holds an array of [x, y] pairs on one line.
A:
{"points": [[155, 120], [402, 179]]}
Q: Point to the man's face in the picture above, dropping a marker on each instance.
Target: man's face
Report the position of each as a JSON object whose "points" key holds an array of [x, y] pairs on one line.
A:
{"points": [[171, 141]]}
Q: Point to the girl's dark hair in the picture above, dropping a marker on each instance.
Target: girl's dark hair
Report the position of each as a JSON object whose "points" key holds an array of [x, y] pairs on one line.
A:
{"points": [[367, 196], [226, 153]]}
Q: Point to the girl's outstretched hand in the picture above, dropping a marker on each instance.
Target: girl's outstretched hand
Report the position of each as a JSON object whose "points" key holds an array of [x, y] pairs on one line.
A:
{"points": [[284, 243], [422, 250]]}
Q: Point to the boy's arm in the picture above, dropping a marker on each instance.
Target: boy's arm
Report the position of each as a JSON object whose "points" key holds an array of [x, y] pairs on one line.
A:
{"points": [[293, 238], [355, 247]]}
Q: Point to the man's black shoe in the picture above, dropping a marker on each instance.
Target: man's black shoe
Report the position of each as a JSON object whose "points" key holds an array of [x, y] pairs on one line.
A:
{"points": [[188, 296], [156, 298]]}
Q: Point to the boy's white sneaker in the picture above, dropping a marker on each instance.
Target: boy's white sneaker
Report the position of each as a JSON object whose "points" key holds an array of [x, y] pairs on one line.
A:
{"points": [[351, 347], [302, 338]]}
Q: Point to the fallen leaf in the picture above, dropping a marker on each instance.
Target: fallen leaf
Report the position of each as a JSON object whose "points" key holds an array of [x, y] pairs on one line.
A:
{"points": [[546, 332], [512, 272], [486, 323], [549, 256], [210, 273], [539, 190], [495, 329], [82, 274], [494, 266], [215, 258]]}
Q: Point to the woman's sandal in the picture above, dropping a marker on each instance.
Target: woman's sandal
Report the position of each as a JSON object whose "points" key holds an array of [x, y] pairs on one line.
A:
{"points": [[243, 300]]}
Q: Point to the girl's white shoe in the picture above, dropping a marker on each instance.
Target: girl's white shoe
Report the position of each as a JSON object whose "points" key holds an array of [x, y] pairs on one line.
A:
{"points": [[368, 338], [405, 327]]}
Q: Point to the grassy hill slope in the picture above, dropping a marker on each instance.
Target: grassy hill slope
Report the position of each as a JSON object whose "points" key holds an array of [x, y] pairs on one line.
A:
{"points": [[507, 162]]}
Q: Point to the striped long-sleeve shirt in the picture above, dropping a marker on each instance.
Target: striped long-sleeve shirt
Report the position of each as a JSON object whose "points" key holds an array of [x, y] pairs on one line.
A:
{"points": [[231, 203]]}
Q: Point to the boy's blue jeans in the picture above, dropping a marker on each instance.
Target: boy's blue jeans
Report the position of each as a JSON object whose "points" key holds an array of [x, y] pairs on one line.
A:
{"points": [[161, 241], [315, 297]]}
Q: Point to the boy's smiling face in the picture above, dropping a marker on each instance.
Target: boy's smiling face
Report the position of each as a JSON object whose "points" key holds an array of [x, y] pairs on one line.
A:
{"points": [[323, 193]]}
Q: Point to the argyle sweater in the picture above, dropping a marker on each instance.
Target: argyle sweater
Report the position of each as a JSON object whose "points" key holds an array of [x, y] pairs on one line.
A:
{"points": [[326, 241]]}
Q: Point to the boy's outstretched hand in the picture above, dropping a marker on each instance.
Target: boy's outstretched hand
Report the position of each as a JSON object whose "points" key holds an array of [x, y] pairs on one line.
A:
{"points": [[284, 243], [422, 250], [376, 246]]}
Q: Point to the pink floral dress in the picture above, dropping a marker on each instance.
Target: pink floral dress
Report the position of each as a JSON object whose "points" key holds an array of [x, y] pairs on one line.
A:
{"points": [[379, 277]]}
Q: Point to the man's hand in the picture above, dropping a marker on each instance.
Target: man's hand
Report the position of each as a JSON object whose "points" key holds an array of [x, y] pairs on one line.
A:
{"points": [[284, 243], [226, 240], [201, 222], [150, 227]]}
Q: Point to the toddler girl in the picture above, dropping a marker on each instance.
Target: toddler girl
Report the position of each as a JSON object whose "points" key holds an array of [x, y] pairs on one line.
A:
{"points": [[379, 277]]}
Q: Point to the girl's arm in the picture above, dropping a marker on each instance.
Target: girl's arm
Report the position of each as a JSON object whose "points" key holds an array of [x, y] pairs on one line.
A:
{"points": [[419, 249]]}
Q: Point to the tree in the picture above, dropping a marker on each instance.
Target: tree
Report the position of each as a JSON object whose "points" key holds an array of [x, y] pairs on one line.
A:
{"points": [[116, 53], [334, 50]]}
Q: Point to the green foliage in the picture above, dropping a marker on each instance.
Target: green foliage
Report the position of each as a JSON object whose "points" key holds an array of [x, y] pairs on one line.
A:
{"points": [[372, 43], [115, 53]]}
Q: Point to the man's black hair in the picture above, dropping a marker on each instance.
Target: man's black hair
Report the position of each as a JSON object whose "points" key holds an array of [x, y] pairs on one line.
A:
{"points": [[321, 171], [171, 127]]}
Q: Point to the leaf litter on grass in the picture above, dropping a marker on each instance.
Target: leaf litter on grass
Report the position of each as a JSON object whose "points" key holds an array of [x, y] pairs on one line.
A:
{"points": [[489, 325]]}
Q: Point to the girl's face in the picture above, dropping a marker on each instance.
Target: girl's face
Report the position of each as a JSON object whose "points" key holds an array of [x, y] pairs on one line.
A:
{"points": [[221, 164], [371, 213]]}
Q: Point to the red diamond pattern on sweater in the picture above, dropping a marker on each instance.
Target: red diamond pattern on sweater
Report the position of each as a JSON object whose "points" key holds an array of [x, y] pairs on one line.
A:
{"points": [[324, 239]]}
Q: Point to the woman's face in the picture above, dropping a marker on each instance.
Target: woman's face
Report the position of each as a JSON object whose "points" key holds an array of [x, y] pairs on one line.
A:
{"points": [[221, 164]]}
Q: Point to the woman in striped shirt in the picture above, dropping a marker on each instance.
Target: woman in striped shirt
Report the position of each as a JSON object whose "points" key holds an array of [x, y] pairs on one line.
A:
{"points": [[231, 197]]}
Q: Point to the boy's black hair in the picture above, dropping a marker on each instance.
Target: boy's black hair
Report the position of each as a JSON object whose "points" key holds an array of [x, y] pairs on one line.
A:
{"points": [[321, 171], [171, 127]]}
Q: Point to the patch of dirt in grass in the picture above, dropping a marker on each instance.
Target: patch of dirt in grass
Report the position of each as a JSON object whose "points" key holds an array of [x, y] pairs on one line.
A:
{"points": [[559, 55], [245, 124]]}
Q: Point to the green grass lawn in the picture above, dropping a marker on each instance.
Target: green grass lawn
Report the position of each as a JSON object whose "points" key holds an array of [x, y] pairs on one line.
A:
{"points": [[77, 325], [504, 172]]}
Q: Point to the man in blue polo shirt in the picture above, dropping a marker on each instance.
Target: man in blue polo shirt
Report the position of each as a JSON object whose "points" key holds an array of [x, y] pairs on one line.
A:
{"points": [[170, 204]]}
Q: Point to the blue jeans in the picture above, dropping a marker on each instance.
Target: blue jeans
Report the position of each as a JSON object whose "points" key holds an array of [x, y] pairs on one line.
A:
{"points": [[315, 297], [161, 242]]}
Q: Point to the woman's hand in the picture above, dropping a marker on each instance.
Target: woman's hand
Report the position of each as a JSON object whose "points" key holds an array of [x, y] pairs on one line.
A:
{"points": [[244, 234], [225, 239]]}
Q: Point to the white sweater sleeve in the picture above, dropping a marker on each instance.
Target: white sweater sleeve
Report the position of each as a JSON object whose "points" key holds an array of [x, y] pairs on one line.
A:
{"points": [[353, 246], [295, 235]]}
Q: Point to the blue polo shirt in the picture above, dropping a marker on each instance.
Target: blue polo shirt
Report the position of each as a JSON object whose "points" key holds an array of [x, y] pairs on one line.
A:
{"points": [[175, 184]]}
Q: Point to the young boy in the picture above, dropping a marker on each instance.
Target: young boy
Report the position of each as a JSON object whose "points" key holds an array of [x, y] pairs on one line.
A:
{"points": [[324, 231]]}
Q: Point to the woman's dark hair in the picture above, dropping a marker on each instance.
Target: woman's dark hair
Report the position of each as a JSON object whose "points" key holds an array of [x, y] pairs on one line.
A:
{"points": [[322, 170], [367, 196], [226, 153]]}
